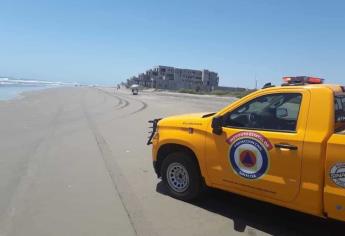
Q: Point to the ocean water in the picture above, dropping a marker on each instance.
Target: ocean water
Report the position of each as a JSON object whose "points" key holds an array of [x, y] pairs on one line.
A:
{"points": [[8, 92]]}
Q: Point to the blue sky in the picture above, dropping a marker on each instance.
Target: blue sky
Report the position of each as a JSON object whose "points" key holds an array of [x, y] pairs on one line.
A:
{"points": [[106, 42]]}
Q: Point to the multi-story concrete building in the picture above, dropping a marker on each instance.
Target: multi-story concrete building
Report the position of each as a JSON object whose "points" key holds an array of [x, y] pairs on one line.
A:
{"points": [[165, 77]]}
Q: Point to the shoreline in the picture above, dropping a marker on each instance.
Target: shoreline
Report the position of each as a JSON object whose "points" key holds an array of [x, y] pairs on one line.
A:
{"points": [[23, 94]]}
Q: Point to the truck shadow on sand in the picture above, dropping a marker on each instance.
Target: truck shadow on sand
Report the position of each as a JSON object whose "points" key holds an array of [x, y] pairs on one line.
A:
{"points": [[262, 216]]}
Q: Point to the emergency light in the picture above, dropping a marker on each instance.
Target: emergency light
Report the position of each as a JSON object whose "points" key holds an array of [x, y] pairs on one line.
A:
{"points": [[300, 80]]}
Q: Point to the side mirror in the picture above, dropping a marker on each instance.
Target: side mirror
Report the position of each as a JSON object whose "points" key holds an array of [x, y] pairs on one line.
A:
{"points": [[281, 112], [217, 124]]}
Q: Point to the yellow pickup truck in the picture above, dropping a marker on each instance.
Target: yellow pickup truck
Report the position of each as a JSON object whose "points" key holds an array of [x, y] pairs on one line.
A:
{"points": [[284, 145]]}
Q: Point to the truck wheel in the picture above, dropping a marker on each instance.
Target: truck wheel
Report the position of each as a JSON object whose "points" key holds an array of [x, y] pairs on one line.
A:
{"points": [[182, 176]]}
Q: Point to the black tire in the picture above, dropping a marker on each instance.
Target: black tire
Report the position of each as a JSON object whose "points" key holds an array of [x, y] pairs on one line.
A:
{"points": [[194, 187]]}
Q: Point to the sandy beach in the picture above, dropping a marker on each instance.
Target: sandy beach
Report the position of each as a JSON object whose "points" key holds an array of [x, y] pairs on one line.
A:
{"points": [[74, 161]]}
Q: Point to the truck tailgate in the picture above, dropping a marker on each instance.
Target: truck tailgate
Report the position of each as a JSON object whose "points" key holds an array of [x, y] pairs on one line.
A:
{"points": [[334, 190]]}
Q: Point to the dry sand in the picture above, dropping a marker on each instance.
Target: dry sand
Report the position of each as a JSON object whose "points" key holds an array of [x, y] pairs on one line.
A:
{"points": [[73, 161]]}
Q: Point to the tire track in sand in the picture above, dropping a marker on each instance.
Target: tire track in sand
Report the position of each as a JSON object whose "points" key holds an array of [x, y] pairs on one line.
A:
{"points": [[140, 224], [143, 106], [122, 103]]}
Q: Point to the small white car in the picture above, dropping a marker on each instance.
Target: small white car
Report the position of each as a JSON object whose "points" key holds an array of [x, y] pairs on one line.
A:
{"points": [[135, 89]]}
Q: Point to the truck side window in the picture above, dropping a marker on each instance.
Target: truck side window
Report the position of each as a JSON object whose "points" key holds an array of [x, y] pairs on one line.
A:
{"points": [[277, 112], [339, 106]]}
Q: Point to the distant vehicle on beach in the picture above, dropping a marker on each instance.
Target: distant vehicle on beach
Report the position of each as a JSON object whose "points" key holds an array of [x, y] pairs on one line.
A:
{"points": [[135, 89]]}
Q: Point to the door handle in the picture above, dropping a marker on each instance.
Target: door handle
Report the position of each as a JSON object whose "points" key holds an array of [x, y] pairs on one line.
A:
{"points": [[286, 146]]}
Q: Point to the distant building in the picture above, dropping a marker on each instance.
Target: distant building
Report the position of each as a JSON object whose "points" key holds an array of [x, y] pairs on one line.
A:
{"points": [[165, 77]]}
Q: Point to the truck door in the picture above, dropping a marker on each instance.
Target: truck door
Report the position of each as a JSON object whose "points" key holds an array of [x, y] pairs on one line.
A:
{"points": [[259, 152], [334, 190]]}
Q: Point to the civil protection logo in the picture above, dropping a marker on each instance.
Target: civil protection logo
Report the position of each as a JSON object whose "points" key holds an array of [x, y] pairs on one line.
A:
{"points": [[337, 174], [248, 154]]}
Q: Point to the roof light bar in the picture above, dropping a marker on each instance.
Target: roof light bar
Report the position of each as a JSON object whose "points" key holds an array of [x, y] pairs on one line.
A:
{"points": [[287, 79], [301, 80], [314, 80]]}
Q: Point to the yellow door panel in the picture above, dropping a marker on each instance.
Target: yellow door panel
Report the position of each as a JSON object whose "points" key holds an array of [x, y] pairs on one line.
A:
{"points": [[264, 163]]}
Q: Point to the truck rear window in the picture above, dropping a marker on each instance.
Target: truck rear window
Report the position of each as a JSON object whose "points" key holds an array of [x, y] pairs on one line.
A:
{"points": [[340, 113]]}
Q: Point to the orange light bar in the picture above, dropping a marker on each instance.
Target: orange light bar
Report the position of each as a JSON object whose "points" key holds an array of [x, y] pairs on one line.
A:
{"points": [[302, 80], [287, 79], [314, 80]]}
